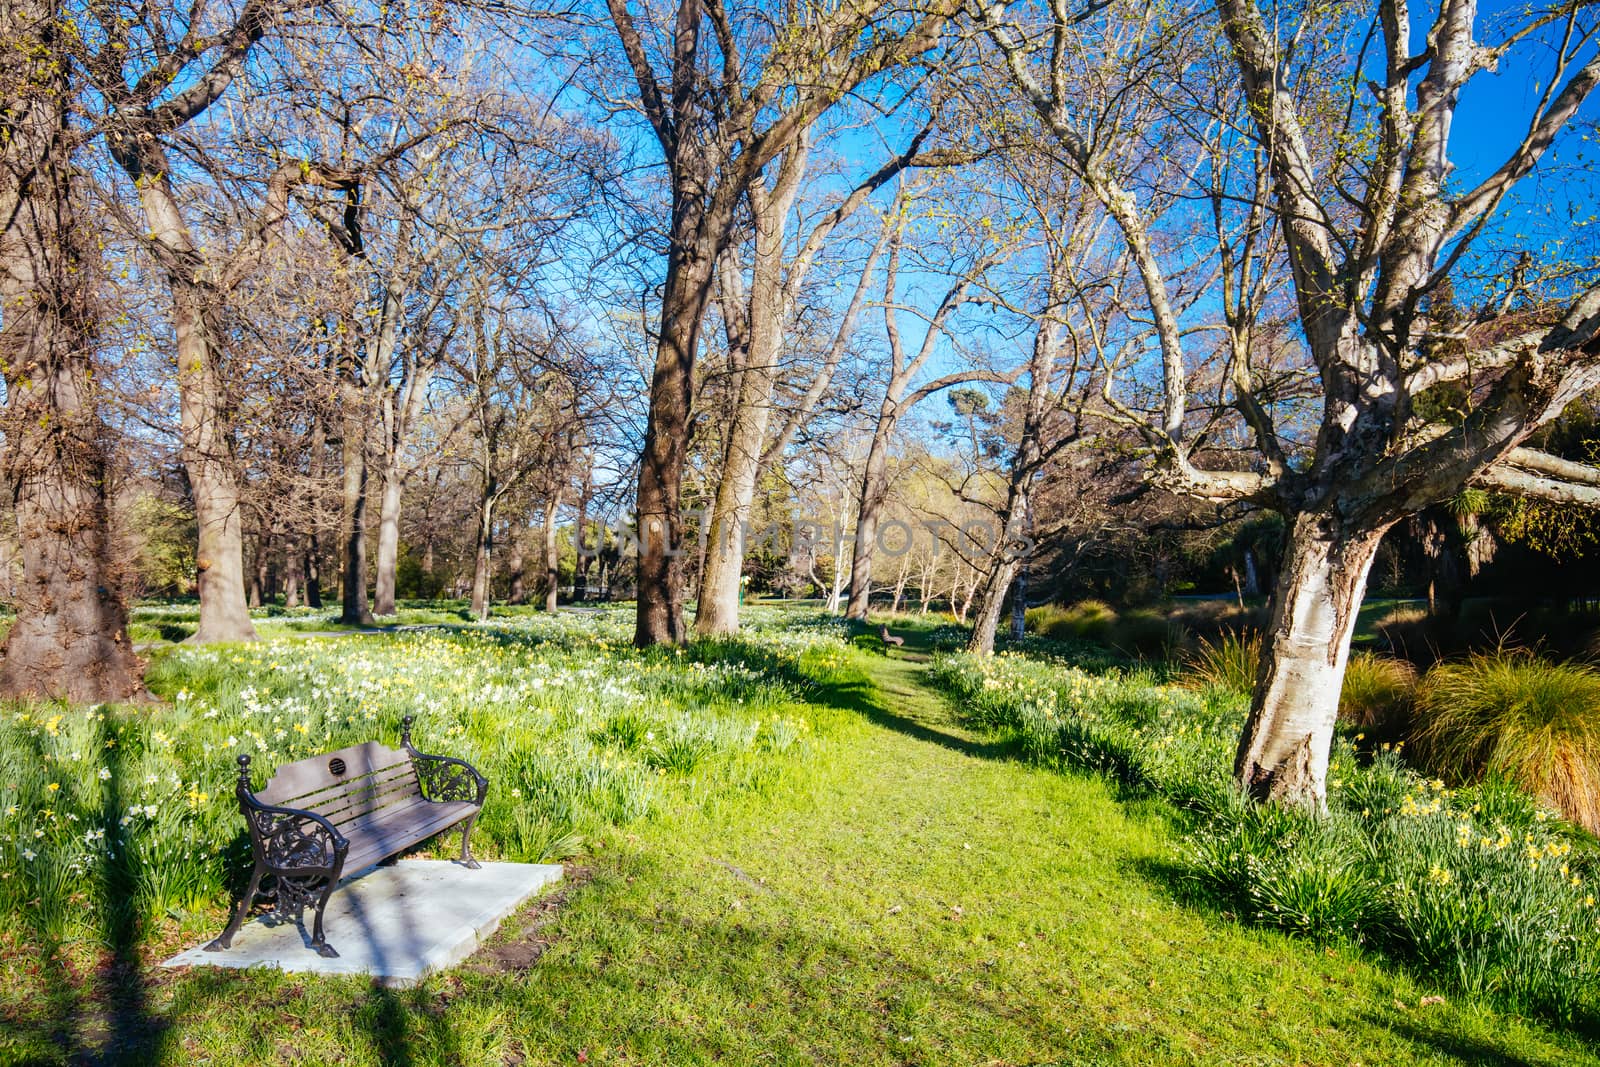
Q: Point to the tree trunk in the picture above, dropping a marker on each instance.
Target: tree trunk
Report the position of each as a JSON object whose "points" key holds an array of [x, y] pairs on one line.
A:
{"points": [[683, 306], [717, 611], [995, 584], [482, 573], [257, 585], [901, 579], [837, 593], [312, 561], [1003, 561], [388, 541], [70, 637], [1283, 752], [516, 567], [874, 488], [765, 314], [580, 578], [206, 444], [552, 552], [353, 594], [313, 568], [208, 458], [1019, 602], [291, 577]]}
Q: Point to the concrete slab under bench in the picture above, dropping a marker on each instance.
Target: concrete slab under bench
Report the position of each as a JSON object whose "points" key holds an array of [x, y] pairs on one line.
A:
{"points": [[397, 924]]}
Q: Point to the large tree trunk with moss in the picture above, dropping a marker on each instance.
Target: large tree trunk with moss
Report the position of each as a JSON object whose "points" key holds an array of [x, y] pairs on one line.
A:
{"points": [[1283, 752], [70, 637]]}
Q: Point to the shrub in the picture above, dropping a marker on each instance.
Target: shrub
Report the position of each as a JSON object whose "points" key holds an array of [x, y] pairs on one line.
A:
{"points": [[1377, 692], [1228, 663], [1281, 867], [1147, 634], [1086, 620], [1511, 714], [1208, 620], [1039, 620]]}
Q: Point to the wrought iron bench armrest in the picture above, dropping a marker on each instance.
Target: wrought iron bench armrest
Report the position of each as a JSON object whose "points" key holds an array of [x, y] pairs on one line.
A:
{"points": [[288, 840], [444, 778]]}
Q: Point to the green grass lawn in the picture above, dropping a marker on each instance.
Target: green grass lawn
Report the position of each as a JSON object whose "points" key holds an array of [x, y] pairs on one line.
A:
{"points": [[903, 893]]}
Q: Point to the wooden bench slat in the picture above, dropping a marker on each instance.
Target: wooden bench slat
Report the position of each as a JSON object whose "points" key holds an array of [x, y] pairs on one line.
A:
{"points": [[388, 833], [383, 787], [304, 777], [372, 800]]}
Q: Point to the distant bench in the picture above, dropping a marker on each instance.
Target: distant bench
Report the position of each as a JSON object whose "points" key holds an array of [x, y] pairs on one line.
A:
{"points": [[344, 811]]}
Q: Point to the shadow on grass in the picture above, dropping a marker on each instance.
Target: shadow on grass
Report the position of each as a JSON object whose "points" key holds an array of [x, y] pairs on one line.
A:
{"points": [[1178, 883], [106, 1017], [396, 1014], [922, 713], [820, 988], [1484, 1052]]}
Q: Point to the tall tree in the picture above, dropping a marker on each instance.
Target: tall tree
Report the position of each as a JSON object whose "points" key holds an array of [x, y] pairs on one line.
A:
{"points": [[1372, 227], [758, 321], [70, 637], [136, 64], [722, 110], [901, 392]]}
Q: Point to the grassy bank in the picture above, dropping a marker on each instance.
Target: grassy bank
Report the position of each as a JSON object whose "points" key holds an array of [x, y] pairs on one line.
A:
{"points": [[1478, 890], [897, 887]]}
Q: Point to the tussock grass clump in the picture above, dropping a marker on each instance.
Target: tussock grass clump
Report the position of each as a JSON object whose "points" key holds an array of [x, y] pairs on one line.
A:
{"points": [[1085, 620], [1512, 715], [1377, 692], [1228, 662], [1148, 634]]}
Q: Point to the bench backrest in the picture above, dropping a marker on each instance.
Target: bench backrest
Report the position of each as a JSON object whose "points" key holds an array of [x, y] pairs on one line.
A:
{"points": [[345, 785]]}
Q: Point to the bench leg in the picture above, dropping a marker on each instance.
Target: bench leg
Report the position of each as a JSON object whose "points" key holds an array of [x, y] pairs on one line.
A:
{"points": [[466, 845], [225, 940], [318, 940]]}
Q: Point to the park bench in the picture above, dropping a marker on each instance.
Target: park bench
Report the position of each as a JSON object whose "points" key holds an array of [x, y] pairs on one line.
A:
{"points": [[344, 811], [889, 638]]}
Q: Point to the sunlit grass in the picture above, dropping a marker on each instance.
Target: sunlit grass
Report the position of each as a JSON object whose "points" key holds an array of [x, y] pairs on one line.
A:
{"points": [[536, 703], [1479, 887]]}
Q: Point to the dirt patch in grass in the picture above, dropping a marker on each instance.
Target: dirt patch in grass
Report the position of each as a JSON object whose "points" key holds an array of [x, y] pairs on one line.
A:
{"points": [[519, 947]]}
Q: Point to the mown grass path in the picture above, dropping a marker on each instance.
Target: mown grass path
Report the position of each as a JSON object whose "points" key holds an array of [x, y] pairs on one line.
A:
{"points": [[918, 896], [909, 894]]}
